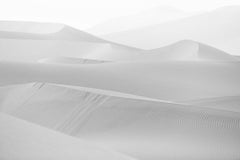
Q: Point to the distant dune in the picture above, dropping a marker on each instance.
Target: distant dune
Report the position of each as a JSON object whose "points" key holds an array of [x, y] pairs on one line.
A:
{"points": [[44, 31], [218, 28], [31, 44], [186, 50]]}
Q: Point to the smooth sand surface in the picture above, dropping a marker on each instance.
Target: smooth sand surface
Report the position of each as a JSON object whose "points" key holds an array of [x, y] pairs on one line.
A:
{"points": [[67, 94], [34, 142], [142, 129]]}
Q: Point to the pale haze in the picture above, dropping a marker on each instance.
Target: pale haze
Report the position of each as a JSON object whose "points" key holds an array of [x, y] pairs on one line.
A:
{"points": [[83, 14], [120, 80]]}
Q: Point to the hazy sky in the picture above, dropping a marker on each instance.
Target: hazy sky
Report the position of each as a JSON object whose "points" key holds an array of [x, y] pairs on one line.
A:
{"points": [[85, 13]]}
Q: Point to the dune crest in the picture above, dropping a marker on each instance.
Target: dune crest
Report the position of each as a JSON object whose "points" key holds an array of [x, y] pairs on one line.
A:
{"points": [[187, 50]]}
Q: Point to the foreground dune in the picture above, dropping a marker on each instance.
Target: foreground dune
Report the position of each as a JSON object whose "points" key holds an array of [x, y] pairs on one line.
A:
{"points": [[142, 129], [34, 142]]}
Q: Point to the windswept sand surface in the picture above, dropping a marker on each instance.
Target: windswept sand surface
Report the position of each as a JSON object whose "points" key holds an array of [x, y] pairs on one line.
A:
{"points": [[66, 94]]}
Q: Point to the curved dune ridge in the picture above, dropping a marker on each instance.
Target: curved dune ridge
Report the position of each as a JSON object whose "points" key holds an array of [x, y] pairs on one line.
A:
{"points": [[67, 94], [43, 31], [31, 44], [230, 102], [187, 50], [186, 80]]}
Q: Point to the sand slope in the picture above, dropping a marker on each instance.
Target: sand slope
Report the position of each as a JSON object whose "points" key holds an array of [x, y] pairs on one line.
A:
{"points": [[172, 80], [225, 103], [186, 50], [33, 41], [34, 142], [142, 129], [43, 31]]}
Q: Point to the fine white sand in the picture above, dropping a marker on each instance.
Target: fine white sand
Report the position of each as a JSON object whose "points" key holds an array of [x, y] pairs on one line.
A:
{"points": [[21, 140], [143, 129], [68, 94], [171, 80]]}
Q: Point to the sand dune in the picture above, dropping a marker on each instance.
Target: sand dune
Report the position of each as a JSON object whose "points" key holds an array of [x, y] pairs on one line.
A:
{"points": [[186, 80], [131, 126], [44, 31], [67, 94], [34, 142], [187, 50], [226, 102], [33, 41], [218, 28], [34, 50]]}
